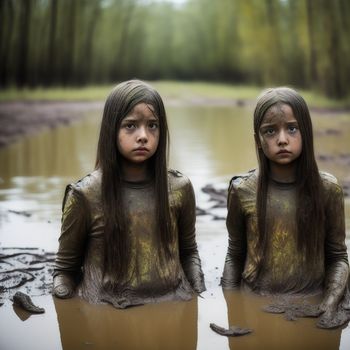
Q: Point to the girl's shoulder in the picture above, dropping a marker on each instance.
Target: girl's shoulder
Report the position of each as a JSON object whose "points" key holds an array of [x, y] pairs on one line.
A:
{"points": [[88, 181], [178, 180], [330, 182], [328, 178], [88, 186], [245, 182]]}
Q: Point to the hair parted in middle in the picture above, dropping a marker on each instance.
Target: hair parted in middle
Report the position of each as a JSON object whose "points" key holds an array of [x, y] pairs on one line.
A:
{"points": [[120, 102], [310, 206]]}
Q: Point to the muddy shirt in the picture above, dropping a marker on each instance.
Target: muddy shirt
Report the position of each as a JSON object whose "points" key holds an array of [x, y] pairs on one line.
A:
{"points": [[285, 269], [149, 277]]}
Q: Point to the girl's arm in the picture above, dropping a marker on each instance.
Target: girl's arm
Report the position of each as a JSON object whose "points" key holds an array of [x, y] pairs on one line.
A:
{"points": [[70, 253], [189, 256], [336, 259], [236, 252]]}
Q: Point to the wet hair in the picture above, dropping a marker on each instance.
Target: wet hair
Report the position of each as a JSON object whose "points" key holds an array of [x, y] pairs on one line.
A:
{"points": [[122, 99], [310, 206]]}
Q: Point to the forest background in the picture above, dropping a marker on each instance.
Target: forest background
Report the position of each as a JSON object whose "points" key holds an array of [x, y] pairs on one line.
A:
{"points": [[302, 43]]}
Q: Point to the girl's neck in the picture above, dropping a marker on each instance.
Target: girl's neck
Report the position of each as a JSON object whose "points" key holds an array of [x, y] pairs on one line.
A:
{"points": [[135, 172], [283, 173]]}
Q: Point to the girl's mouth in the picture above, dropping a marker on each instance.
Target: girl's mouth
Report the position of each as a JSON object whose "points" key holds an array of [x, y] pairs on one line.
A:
{"points": [[141, 149]]}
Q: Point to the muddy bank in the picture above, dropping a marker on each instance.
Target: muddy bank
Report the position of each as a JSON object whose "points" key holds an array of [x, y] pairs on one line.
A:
{"points": [[25, 269], [19, 119], [22, 118]]}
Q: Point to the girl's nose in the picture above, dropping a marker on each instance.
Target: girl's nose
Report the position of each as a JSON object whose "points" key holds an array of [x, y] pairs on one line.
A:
{"points": [[142, 135], [282, 138]]}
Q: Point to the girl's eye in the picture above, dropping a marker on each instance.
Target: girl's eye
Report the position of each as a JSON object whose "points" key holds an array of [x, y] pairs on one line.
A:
{"points": [[292, 129], [153, 126], [130, 126], [269, 131]]}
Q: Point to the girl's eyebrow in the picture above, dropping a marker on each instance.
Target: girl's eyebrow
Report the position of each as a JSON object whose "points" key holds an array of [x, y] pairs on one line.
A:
{"points": [[263, 125], [134, 119]]}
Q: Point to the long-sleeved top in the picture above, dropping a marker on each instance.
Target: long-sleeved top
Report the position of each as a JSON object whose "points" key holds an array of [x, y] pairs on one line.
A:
{"points": [[149, 277], [285, 268]]}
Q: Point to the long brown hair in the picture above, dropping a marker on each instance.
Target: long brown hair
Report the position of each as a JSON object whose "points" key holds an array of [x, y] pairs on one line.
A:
{"points": [[310, 206], [122, 99]]}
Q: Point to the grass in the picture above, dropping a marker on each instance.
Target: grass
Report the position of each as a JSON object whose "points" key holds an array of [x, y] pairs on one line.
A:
{"points": [[89, 93], [168, 89]]}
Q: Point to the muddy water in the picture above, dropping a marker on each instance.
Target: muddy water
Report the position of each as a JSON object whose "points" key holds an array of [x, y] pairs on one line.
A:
{"points": [[209, 144]]}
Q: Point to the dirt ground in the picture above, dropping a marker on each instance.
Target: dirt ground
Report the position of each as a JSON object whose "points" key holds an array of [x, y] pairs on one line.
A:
{"points": [[18, 119], [21, 118]]}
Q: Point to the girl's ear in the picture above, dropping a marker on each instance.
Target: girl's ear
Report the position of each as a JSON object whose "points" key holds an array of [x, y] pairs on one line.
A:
{"points": [[257, 140]]}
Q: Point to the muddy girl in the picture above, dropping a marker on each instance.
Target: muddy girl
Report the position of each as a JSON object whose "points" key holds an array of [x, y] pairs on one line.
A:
{"points": [[286, 219], [128, 228]]}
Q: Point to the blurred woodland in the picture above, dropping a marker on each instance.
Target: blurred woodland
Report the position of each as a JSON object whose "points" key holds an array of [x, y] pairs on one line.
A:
{"points": [[305, 43]]}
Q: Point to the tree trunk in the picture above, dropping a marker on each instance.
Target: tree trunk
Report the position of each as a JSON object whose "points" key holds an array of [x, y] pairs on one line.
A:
{"points": [[312, 46], [89, 43], [68, 60], [6, 34], [51, 56], [23, 42]]}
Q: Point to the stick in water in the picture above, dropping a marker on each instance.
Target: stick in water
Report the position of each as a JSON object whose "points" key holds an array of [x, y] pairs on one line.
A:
{"points": [[25, 302], [233, 331]]}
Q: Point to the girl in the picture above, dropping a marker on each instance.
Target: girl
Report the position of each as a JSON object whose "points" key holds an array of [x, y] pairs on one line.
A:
{"points": [[128, 228], [286, 220]]}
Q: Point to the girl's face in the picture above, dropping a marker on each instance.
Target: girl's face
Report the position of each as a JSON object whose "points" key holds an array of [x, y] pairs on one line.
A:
{"points": [[138, 135], [279, 135]]}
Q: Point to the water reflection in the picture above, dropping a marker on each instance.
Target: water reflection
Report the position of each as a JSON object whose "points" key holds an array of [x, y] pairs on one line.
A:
{"points": [[21, 330], [154, 326], [63, 152], [211, 142], [273, 331]]}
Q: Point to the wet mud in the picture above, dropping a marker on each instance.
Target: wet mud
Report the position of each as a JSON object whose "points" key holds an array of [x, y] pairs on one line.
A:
{"points": [[25, 302], [19, 119], [233, 331], [293, 310], [217, 197], [20, 212], [26, 270]]}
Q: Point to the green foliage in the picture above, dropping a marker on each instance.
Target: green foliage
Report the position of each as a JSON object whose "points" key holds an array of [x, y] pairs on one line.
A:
{"points": [[304, 43]]}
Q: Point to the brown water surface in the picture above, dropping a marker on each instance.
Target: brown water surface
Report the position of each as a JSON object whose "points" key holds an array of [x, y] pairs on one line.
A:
{"points": [[209, 144]]}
